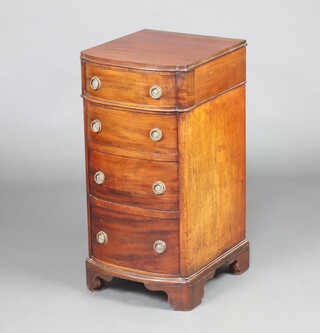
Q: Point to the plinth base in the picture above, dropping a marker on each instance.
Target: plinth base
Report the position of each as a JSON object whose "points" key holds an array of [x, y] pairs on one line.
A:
{"points": [[183, 293]]}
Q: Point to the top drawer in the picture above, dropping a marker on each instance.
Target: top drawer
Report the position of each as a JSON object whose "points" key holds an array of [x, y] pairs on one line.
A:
{"points": [[130, 86]]}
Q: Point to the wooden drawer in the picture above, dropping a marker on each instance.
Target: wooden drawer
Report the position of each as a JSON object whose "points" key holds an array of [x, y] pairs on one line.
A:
{"points": [[130, 181], [130, 240], [129, 130], [132, 86]]}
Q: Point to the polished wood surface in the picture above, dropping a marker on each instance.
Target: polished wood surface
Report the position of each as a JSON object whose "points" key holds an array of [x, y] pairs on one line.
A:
{"points": [[219, 75], [212, 179], [166, 214], [129, 181], [183, 293], [141, 155], [200, 159], [211, 79], [119, 84], [182, 91], [161, 50], [129, 130], [131, 238]]}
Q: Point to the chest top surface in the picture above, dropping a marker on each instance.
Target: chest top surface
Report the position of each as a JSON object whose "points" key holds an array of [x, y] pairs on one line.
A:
{"points": [[160, 50]]}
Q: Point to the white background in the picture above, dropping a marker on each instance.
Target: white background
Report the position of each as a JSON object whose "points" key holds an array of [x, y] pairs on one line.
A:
{"points": [[43, 217]]}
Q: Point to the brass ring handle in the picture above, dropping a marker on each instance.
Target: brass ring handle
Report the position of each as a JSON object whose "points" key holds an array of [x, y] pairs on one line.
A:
{"points": [[95, 83], [158, 187], [156, 134], [102, 237], [156, 92], [96, 126], [99, 177], [159, 246]]}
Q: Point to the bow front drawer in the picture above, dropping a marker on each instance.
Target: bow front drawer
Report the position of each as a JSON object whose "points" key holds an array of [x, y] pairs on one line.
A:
{"points": [[134, 182], [128, 130], [135, 241], [132, 86]]}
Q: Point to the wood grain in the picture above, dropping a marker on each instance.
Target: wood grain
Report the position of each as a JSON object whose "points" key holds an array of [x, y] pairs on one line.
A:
{"points": [[182, 90], [201, 160], [184, 293], [166, 214], [212, 179], [160, 50], [87, 173], [141, 155], [185, 90], [219, 75], [132, 86], [131, 238], [129, 181], [129, 130]]}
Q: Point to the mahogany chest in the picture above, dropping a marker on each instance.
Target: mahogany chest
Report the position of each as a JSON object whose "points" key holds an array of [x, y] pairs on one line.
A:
{"points": [[164, 118]]}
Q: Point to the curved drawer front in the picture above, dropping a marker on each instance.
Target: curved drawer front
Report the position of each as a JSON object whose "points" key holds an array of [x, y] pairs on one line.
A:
{"points": [[128, 240], [124, 85], [131, 181], [129, 130]]}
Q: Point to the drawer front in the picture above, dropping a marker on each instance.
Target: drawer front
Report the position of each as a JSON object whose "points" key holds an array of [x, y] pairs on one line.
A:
{"points": [[133, 182], [129, 130], [123, 85], [128, 240]]}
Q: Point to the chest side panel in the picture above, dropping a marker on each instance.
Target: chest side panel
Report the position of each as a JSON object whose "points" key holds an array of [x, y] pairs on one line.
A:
{"points": [[212, 179], [219, 75]]}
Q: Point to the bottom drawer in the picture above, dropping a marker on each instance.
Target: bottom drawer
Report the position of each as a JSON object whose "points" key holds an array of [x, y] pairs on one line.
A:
{"points": [[132, 241]]}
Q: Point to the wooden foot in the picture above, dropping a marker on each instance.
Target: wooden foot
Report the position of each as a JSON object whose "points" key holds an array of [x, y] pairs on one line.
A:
{"points": [[95, 282], [184, 297], [241, 264], [184, 293]]}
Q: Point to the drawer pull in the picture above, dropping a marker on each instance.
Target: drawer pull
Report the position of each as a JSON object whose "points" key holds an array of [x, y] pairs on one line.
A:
{"points": [[159, 246], [155, 92], [102, 237], [158, 187], [95, 83], [156, 134], [96, 126], [99, 177]]}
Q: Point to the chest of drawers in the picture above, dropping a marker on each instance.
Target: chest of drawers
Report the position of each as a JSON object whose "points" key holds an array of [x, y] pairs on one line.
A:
{"points": [[164, 121]]}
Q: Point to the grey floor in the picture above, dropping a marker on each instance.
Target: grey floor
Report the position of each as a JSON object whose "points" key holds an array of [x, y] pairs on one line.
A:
{"points": [[42, 282]]}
